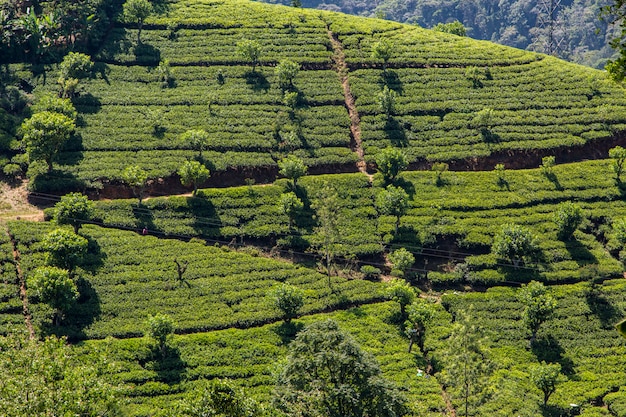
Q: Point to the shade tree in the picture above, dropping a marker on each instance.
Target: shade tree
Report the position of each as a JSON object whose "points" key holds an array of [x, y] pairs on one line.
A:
{"points": [[401, 260], [250, 51], [193, 173], [137, 11], [196, 139], [73, 209], [515, 244], [546, 376], [327, 374], [567, 218], [159, 328], [391, 162], [539, 305], [392, 201], [290, 205], [293, 168], [65, 249], [136, 178], [401, 292], [44, 134], [286, 71], [288, 299], [53, 286]]}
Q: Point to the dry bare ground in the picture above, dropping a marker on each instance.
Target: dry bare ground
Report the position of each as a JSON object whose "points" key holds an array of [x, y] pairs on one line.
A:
{"points": [[14, 203]]}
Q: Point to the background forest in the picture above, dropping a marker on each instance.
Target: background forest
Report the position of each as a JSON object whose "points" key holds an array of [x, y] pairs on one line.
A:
{"points": [[578, 34]]}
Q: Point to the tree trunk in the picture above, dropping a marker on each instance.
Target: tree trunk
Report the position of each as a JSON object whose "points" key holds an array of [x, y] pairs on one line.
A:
{"points": [[139, 25]]}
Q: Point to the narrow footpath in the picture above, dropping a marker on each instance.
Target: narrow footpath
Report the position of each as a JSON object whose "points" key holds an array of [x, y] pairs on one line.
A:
{"points": [[339, 60], [22, 284]]}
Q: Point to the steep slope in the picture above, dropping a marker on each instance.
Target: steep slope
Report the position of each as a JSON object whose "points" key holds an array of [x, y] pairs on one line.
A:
{"points": [[442, 83]]}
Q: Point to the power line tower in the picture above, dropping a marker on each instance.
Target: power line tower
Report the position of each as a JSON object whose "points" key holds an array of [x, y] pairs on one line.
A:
{"points": [[550, 36]]}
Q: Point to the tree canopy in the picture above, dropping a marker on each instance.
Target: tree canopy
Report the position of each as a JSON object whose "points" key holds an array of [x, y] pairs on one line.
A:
{"points": [[327, 374], [74, 209], [45, 133]]}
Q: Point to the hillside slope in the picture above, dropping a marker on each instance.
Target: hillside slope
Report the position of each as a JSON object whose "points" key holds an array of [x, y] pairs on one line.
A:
{"points": [[441, 82]]}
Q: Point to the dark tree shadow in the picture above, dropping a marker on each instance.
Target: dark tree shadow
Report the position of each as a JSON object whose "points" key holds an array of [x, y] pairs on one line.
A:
{"points": [[407, 186], [523, 275], [390, 79], [288, 331], [87, 103], [549, 410], [103, 70], [257, 81], [206, 221], [94, 259], [395, 132], [168, 364], [73, 147], [551, 176], [144, 218], [116, 42], [147, 54], [82, 314], [549, 349], [580, 253], [602, 308], [160, 6], [488, 136], [59, 181]]}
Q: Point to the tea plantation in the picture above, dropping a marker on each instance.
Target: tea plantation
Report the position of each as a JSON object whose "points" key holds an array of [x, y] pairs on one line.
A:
{"points": [[422, 287]]}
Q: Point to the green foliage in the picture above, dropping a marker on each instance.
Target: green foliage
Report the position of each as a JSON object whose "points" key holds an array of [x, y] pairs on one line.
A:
{"points": [[500, 171], [75, 65], [392, 201], [48, 377], [288, 299], [193, 173], [539, 306], [567, 218], [219, 398], [439, 168], [401, 292], [383, 50], [476, 76], [547, 163], [160, 327], [454, 28], [328, 374], [135, 177], [286, 71], [546, 377], [618, 156], [293, 168], [137, 11], [619, 230], [401, 260], [74, 209], [515, 244], [65, 249], [390, 162], [420, 315], [370, 272], [164, 73], [387, 101], [51, 103], [327, 213], [53, 286], [290, 205], [249, 50], [197, 139], [466, 363], [45, 134]]}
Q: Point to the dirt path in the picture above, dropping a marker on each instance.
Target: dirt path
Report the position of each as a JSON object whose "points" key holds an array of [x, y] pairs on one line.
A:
{"points": [[14, 204], [339, 59], [22, 282]]}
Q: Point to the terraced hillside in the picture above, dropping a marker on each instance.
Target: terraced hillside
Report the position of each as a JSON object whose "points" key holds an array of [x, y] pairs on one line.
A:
{"points": [[442, 84], [468, 103]]}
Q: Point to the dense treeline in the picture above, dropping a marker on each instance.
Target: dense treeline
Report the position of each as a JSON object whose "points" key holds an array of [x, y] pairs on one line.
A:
{"points": [[578, 34]]}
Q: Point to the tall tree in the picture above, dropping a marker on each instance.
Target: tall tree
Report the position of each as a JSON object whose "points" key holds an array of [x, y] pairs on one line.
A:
{"points": [[288, 299], [135, 177], [137, 11], [567, 218], [74, 209], [401, 292], [293, 168], [327, 374], [286, 71], [546, 377], [249, 50], [327, 214], [197, 139], [466, 362], [290, 204], [65, 248], [45, 134], [393, 201], [515, 243], [391, 162], [193, 173], [48, 377], [54, 287], [539, 305], [420, 314], [383, 50], [160, 327]]}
